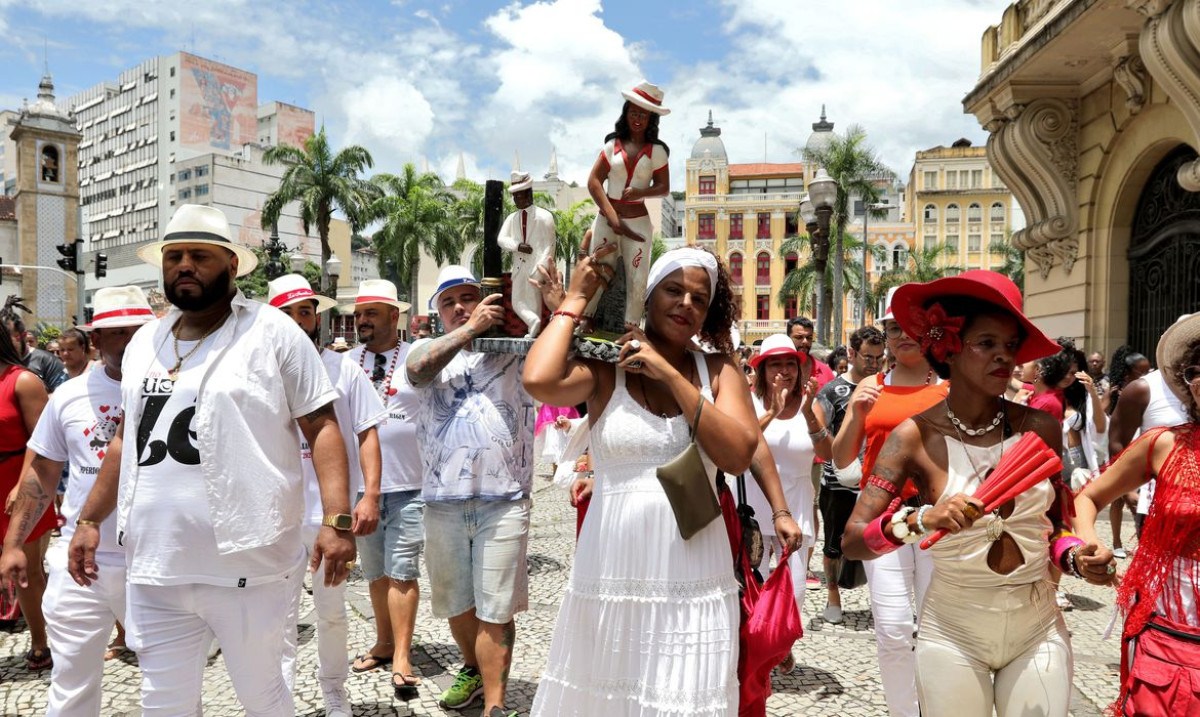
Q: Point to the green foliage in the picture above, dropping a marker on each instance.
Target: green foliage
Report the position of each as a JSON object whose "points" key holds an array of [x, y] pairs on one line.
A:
{"points": [[658, 247], [1014, 260], [801, 282], [418, 212], [922, 265], [570, 225], [46, 333], [254, 284]]}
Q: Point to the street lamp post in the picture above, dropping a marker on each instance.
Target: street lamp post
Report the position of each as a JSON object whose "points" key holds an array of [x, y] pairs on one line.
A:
{"points": [[333, 269], [866, 247], [816, 209], [274, 250]]}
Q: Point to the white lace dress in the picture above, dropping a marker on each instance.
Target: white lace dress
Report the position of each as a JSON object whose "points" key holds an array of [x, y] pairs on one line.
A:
{"points": [[648, 623]]}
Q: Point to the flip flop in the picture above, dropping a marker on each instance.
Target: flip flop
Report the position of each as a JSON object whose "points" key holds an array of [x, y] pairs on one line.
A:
{"points": [[38, 660], [115, 651], [406, 689], [370, 662]]}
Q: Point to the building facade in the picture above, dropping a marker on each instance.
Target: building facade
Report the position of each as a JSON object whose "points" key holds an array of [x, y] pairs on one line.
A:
{"points": [[1094, 121]]}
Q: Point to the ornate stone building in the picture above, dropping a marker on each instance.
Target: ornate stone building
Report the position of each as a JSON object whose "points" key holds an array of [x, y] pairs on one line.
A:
{"points": [[1093, 110]]}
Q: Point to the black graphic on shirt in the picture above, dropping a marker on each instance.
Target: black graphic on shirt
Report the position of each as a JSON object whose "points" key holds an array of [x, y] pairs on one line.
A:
{"points": [[180, 442]]}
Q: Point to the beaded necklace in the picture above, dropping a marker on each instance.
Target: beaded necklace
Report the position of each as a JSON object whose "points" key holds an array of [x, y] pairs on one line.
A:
{"points": [[385, 387]]}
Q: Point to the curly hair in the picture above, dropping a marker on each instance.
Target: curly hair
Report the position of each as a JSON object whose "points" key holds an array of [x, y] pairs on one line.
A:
{"points": [[623, 133], [1190, 357], [1120, 364], [722, 312], [10, 355]]}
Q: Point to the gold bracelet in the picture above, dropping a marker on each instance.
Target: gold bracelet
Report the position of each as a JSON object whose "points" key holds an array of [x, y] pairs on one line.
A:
{"points": [[84, 521], [781, 511]]}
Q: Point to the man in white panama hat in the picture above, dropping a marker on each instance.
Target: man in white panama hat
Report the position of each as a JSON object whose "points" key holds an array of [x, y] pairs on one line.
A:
{"points": [[391, 555], [206, 479], [529, 234], [359, 411], [74, 430]]}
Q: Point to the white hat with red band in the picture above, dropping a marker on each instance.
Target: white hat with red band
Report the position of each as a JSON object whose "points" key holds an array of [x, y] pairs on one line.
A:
{"points": [[117, 306], [292, 288], [647, 96], [380, 291]]}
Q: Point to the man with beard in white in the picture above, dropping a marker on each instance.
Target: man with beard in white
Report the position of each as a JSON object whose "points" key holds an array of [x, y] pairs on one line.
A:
{"points": [[359, 411], [75, 428], [210, 493]]}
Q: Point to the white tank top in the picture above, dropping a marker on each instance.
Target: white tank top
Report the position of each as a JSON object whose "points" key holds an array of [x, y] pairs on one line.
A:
{"points": [[1164, 408]]}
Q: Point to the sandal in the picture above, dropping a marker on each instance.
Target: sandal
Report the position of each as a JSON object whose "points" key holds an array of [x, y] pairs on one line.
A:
{"points": [[368, 662], [406, 689], [115, 651], [37, 660]]}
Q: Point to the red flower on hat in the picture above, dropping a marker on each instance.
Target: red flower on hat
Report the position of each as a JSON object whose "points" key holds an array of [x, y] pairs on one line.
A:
{"points": [[937, 332]]}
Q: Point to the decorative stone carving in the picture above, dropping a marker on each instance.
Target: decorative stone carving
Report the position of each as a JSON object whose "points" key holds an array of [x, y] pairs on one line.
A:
{"points": [[1130, 74], [762, 245], [1170, 48], [1034, 150]]}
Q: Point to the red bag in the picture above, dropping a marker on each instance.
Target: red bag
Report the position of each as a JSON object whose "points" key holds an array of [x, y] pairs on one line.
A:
{"points": [[9, 608], [1164, 677]]}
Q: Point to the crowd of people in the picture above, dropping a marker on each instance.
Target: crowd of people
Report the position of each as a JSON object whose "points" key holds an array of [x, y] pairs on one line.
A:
{"points": [[953, 457]]}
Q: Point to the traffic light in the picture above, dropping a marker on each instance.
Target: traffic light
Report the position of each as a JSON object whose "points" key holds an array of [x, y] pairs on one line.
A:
{"points": [[101, 265], [70, 259]]}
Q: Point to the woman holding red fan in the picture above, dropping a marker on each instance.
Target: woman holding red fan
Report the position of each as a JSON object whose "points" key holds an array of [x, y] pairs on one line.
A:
{"points": [[990, 638], [1160, 595]]}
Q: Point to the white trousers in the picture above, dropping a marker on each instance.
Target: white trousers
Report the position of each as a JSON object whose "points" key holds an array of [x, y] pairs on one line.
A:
{"points": [[636, 258], [171, 626], [79, 621], [897, 582], [332, 627]]}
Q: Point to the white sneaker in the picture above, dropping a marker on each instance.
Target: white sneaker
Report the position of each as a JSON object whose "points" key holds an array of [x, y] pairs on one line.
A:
{"points": [[336, 702], [1120, 553], [832, 614]]}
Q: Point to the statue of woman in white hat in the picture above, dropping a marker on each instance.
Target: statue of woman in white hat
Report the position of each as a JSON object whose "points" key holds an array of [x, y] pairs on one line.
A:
{"points": [[631, 167]]}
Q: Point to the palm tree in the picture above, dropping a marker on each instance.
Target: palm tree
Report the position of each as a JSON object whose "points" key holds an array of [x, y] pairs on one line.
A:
{"points": [[1014, 261], [801, 282], [570, 225], [853, 164], [920, 266], [416, 211], [323, 182]]}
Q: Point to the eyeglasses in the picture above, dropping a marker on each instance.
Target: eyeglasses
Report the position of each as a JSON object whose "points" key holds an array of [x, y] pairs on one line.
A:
{"points": [[1191, 375], [893, 331], [380, 371], [868, 358]]}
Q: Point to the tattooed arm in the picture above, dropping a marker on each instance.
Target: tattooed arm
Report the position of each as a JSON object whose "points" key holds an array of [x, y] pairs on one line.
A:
{"points": [[891, 472], [426, 361], [34, 494]]}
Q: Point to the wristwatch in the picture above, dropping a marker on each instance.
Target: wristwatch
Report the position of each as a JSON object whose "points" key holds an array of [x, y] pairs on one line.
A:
{"points": [[341, 521], [900, 526]]}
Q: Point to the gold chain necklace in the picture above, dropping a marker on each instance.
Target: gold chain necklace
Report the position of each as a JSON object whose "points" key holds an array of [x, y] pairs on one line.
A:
{"points": [[173, 374]]}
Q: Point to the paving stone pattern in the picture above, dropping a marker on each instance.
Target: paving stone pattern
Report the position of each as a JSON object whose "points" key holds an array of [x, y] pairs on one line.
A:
{"points": [[837, 673]]}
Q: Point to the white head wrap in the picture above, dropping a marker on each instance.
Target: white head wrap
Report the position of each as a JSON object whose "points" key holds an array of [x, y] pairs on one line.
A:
{"points": [[678, 259]]}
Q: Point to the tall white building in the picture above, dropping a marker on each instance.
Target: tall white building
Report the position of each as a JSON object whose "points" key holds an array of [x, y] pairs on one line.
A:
{"points": [[138, 128]]}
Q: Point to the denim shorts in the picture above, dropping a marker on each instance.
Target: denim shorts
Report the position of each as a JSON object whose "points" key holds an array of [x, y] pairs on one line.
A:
{"points": [[394, 549], [476, 558]]}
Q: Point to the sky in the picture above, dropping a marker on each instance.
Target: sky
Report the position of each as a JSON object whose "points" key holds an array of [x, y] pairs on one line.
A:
{"points": [[416, 81]]}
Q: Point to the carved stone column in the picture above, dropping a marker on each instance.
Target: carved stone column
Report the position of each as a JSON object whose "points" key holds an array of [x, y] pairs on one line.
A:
{"points": [[1170, 49]]}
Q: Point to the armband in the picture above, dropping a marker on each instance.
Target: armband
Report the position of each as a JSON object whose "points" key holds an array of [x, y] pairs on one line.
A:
{"points": [[883, 484]]}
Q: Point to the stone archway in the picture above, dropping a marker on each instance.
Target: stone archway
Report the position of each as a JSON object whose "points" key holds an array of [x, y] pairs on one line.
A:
{"points": [[1164, 253]]}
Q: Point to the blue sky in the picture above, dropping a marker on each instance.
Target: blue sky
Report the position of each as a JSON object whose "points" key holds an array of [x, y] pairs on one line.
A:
{"points": [[423, 81]]}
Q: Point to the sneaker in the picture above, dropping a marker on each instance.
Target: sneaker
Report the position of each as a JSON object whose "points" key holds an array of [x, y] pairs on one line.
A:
{"points": [[1063, 602], [500, 712], [812, 582], [1120, 553], [832, 614], [466, 690], [336, 702]]}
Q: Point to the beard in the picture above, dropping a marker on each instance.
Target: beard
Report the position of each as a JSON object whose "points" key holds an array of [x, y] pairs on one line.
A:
{"points": [[315, 335], [210, 294]]}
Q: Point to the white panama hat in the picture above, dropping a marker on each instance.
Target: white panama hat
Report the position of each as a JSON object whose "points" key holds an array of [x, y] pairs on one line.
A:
{"points": [[291, 288], [117, 306], [648, 96], [519, 182], [380, 291], [199, 224], [449, 277]]}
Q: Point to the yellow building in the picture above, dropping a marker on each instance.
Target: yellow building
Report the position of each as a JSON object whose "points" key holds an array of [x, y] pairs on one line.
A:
{"points": [[955, 198], [1094, 118]]}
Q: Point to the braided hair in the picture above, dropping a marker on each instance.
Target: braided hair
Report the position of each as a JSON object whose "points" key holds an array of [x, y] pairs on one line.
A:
{"points": [[12, 321]]}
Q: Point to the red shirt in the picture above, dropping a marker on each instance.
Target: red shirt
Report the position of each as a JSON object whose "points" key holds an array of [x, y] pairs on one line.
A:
{"points": [[1051, 402]]}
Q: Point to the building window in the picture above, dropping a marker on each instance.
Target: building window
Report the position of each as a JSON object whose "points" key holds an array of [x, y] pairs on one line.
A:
{"points": [[172, 95], [930, 213], [930, 181], [172, 72], [172, 135], [763, 268], [185, 194], [201, 190], [708, 185], [976, 178], [951, 180], [790, 262], [974, 242], [735, 268], [708, 226], [735, 226], [50, 163], [899, 257], [763, 309], [974, 213], [952, 243], [791, 224], [201, 171], [185, 174], [792, 308], [997, 213], [952, 214], [997, 241], [764, 225]]}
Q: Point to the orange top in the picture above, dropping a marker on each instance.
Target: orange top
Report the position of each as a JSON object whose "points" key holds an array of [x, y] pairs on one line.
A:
{"points": [[895, 404]]}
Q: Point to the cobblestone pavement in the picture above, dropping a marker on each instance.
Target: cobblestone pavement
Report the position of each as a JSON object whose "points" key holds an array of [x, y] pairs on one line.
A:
{"points": [[837, 673]]}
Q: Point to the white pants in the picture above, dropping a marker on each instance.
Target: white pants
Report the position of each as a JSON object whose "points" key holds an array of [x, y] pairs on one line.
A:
{"points": [[897, 582], [332, 628], [171, 626], [79, 621], [636, 258]]}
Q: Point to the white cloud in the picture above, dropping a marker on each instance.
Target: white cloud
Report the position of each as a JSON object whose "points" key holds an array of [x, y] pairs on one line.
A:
{"points": [[387, 111]]}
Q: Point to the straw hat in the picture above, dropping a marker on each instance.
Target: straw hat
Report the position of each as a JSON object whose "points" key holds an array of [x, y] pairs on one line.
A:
{"points": [[380, 291], [117, 306], [292, 288], [198, 224], [647, 96], [1173, 348]]}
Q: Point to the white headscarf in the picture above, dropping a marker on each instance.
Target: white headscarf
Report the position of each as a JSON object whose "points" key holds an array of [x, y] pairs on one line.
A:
{"points": [[678, 259]]}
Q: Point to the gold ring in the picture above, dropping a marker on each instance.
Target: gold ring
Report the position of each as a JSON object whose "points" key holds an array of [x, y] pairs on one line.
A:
{"points": [[350, 564], [972, 511]]}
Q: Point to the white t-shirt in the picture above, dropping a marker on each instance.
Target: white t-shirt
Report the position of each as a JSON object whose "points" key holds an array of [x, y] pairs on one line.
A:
{"points": [[169, 533], [475, 427], [357, 408], [75, 428], [398, 434]]}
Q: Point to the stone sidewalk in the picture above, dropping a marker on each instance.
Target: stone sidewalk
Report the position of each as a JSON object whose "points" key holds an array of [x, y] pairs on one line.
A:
{"points": [[837, 673]]}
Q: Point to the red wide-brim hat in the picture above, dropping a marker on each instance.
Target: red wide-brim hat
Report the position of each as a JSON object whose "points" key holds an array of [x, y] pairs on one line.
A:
{"points": [[980, 284]]}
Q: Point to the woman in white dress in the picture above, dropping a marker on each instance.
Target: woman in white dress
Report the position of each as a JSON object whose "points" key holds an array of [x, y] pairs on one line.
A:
{"points": [[649, 621]]}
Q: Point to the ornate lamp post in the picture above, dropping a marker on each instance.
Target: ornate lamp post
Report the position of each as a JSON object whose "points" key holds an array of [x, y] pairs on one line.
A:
{"points": [[274, 268], [822, 192], [333, 269]]}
